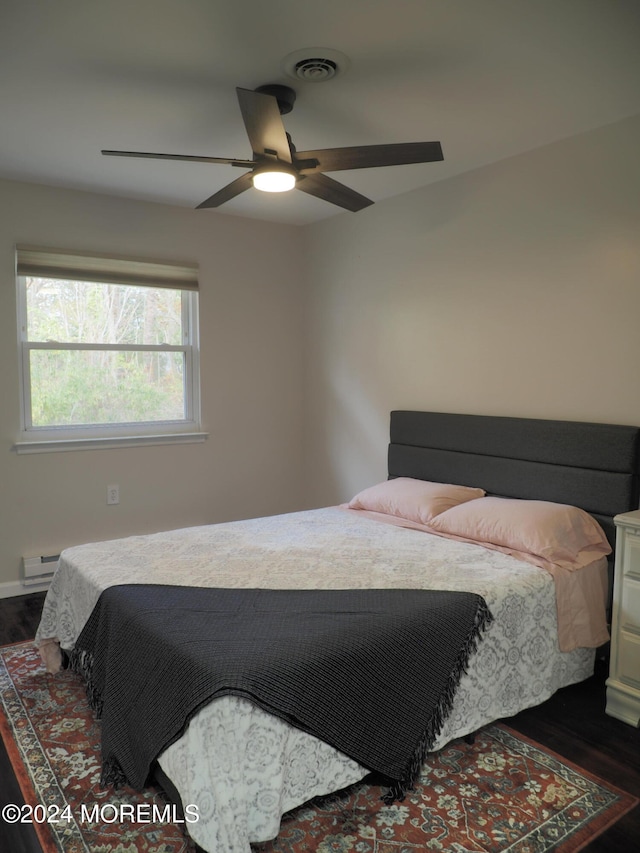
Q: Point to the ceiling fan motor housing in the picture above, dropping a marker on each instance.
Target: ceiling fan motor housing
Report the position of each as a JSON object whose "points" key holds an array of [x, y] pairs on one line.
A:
{"points": [[285, 96]]}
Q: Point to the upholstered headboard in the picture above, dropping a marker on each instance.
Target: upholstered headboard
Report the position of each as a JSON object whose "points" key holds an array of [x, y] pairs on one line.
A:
{"points": [[593, 466]]}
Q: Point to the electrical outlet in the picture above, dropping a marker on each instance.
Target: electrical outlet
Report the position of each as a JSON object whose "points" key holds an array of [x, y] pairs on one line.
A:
{"points": [[113, 494]]}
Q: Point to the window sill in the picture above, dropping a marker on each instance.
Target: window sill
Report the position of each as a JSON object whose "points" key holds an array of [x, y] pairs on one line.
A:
{"points": [[109, 442]]}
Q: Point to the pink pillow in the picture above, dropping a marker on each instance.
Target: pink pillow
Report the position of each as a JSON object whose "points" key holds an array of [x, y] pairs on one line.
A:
{"points": [[415, 500], [555, 532]]}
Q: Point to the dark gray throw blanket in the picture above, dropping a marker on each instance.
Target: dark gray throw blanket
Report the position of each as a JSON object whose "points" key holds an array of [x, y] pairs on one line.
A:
{"points": [[373, 672]]}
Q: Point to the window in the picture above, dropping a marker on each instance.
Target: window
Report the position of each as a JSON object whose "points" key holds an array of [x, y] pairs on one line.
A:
{"points": [[109, 351]]}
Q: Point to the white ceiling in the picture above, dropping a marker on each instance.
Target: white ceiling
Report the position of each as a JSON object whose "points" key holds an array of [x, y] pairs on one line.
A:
{"points": [[488, 78]]}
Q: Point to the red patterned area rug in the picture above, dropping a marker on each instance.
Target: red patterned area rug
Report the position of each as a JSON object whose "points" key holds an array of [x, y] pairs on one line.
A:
{"points": [[501, 793]]}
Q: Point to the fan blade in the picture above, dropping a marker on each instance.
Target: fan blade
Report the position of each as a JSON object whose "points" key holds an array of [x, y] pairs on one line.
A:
{"points": [[327, 189], [233, 189], [264, 126], [368, 156], [228, 160]]}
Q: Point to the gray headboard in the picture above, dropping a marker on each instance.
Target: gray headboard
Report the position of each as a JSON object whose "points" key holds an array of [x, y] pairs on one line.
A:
{"points": [[593, 466]]}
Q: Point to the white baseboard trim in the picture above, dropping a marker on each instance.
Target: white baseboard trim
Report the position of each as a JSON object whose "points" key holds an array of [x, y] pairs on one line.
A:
{"points": [[10, 589]]}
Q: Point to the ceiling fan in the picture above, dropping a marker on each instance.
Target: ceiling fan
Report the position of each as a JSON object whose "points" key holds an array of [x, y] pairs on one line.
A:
{"points": [[277, 166]]}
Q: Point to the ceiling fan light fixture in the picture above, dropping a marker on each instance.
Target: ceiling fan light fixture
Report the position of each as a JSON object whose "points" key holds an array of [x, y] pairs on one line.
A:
{"points": [[272, 180], [277, 166]]}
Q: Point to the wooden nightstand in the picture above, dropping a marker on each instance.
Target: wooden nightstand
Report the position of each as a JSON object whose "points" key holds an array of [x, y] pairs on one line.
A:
{"points": [[623, 684]]}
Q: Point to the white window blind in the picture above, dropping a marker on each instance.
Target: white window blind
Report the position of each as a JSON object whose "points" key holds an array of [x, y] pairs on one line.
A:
{"points": [[53, 263]]}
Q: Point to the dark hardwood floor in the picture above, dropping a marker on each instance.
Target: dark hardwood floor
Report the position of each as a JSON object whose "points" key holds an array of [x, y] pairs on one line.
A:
{"points": [[573, 723]]}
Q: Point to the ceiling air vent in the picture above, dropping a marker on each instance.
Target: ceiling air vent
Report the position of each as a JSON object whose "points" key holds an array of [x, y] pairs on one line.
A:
{"points": [[316, 69], [315, 64]]}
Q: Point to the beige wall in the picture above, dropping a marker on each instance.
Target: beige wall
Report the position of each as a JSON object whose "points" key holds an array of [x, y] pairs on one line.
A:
{"points": [[251, 330], [511, 290]]}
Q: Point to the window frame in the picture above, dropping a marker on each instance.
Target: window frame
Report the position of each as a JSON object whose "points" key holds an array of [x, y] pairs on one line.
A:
{"points": [[105, 269]]}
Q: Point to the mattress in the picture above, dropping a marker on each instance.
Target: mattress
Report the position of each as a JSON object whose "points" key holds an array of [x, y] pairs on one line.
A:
{"points": [[243, 768]]}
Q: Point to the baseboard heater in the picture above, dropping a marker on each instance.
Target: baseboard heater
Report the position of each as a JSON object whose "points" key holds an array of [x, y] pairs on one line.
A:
{"points": [[39, 570]]}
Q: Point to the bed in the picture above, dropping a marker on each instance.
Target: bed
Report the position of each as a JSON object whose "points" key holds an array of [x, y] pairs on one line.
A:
{"points": [[244, 767]]}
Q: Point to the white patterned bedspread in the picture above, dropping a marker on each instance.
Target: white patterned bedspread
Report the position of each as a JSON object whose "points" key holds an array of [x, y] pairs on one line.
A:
{"points": [[244, 768]]}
